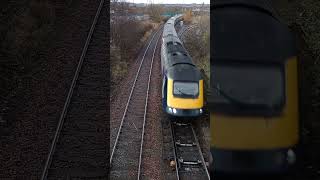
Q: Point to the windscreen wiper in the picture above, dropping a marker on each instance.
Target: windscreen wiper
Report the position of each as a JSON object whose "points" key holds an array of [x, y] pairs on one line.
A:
{"points": [[185, 94], [229, 98]]}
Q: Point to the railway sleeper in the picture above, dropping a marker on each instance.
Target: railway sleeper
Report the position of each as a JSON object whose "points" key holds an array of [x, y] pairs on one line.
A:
{"points": [[185, 144], [181, 161], [181, 124]]}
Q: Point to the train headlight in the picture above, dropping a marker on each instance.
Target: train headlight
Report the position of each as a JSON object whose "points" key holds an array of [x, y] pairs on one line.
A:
{"points": [[170, 109], [200, 110], [291, 157], [174, 110]]}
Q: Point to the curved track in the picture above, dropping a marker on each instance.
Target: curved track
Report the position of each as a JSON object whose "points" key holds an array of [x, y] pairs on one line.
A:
{"points": [[81, 150], [127, 149]]}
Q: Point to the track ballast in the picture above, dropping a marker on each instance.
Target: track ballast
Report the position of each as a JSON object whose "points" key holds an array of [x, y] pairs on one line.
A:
{"points": [[127, 149], [190, 163]]}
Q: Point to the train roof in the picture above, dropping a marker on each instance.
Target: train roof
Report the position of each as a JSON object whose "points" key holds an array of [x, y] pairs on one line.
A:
{"points": [[184, 72], [178, 57], [246, 30], [167, 31], [168, 40], [176, 47], [179, 64], [263, 5]]}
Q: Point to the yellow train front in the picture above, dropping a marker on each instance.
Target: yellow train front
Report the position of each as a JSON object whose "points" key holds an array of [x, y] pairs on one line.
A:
{"points": [[183, 91], [182, 86], [254, 117]]}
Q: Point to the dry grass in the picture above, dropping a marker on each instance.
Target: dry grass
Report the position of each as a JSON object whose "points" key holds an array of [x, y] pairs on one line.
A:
{"points": [[122, 56], [187, 17], [118, 66], [148, 27]]}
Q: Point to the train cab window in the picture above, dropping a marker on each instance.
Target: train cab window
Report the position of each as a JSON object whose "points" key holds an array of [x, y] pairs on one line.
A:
{"points": [[185, 89], [169, 43], [248, 87], [175, 47]]}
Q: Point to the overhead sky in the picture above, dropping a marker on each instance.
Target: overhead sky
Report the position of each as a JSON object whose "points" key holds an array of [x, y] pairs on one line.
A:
{"points": [[171, 1]]}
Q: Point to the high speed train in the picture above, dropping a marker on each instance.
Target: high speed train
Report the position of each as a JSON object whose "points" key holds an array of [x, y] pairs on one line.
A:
{"points": [[254, 112], [182, 85]]}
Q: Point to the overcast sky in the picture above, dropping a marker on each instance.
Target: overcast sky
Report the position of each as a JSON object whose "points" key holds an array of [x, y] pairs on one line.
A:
{"points": [[171, 1]]}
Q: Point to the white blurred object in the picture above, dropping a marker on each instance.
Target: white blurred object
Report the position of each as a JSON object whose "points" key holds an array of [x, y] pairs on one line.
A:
{"points": [[291, 156]]}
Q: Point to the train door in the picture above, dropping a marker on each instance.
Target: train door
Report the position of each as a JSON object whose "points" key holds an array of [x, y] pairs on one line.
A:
{"points": [[164, 92]]}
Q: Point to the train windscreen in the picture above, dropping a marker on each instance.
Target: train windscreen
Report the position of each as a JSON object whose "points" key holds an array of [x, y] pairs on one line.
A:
{"points": [[185, 89], [244, 86]]}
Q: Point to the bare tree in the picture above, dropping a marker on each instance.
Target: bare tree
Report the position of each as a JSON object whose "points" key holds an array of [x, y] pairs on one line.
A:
{"points": [[155, 11], [187, 17], [125, 31], [120, 7]]}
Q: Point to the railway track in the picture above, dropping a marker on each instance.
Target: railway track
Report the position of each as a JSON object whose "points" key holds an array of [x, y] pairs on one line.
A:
{"points": [[190, 163], [78, 149], [181, 148], [127, 149]]}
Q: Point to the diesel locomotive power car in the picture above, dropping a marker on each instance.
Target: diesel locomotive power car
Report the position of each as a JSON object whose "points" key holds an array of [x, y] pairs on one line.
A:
{"points": [[254, 117], [182, 88]]}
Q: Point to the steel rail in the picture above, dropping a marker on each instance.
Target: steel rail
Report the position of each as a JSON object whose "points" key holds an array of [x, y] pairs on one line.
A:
{"points": [[174, 152], [129, 98], [67, 102], [200, 152], [198, 148], [145, 110]]}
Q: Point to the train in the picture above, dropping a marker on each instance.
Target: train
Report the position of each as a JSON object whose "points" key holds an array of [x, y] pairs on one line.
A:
{"points": [[254, 98], [182, 83]]}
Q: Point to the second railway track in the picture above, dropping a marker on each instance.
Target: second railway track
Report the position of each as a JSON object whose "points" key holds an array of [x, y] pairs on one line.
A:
{"points": [[127, 148], [78, 150]]}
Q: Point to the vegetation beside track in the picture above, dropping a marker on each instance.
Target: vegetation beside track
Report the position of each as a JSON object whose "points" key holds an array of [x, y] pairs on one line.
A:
{"points": [[303, 19], [124, 53], [127, 37], [197, 42], [26, 30]]}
